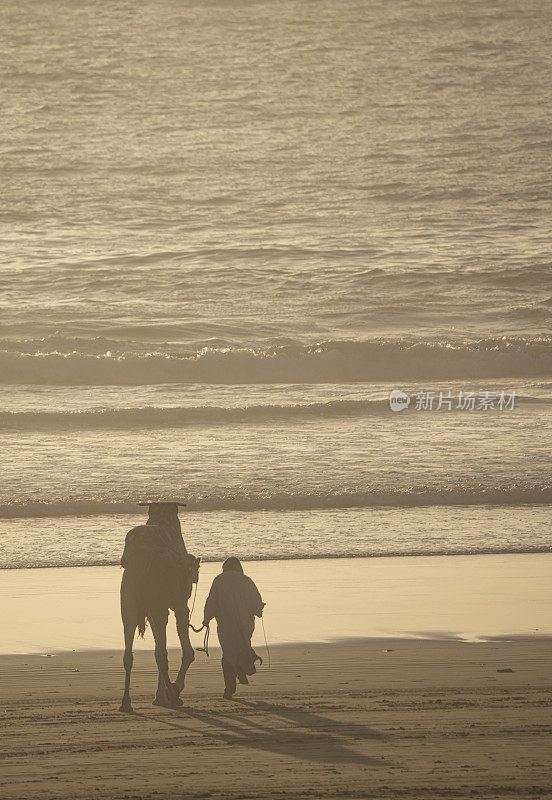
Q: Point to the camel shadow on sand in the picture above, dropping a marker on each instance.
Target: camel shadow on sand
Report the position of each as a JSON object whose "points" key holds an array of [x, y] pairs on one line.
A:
{"points": [[295, 733]]}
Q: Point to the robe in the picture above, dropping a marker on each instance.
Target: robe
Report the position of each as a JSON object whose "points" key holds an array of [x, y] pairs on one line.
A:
{"points": [[234, 601]]}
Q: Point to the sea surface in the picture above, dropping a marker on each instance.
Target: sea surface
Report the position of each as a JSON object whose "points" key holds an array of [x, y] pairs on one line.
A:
{"points": [[229, 229]]}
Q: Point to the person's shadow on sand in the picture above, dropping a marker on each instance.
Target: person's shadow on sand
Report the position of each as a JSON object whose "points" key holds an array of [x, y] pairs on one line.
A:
{"points": [[315, 722], [311, 737]]}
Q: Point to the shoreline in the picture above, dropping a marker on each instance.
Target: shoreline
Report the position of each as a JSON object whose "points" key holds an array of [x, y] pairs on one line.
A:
{"points": [[537, 549], [469, 598]]}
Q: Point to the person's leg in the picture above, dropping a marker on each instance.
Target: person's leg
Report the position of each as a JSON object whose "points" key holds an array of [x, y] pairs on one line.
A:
{"points": [[246, 663], [229, 679]]}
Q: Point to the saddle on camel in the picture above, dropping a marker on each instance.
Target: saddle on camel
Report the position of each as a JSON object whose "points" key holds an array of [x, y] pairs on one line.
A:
{"points": [[158, 576]]}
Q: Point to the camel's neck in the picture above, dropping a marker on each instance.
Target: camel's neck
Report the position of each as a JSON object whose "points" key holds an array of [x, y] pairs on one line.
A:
{"points": [[173, 528]]}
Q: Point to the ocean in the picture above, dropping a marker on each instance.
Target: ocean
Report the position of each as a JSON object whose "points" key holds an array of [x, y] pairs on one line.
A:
{"points": [[229, 230]]}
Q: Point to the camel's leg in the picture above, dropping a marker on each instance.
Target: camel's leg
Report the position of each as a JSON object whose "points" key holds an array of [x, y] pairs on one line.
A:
{"points": [[128, 660], [161, 693], [159, 630], [161, 696], [183, 630]]}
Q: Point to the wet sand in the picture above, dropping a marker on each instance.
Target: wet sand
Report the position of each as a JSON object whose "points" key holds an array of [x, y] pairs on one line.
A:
{"points": [[371, 718], [316, 600]]}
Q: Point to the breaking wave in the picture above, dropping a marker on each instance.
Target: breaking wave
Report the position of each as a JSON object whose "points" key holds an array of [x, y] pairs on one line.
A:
{"points": [[298, 501], [155, 417], [326, 362], [148, 417]]}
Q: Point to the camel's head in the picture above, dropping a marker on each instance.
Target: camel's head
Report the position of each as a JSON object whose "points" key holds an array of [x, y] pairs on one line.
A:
{"points": [[194, 562]]}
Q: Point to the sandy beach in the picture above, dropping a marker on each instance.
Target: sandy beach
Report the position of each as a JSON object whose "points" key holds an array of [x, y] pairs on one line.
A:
{"points": [[451, 705], [355, 719]]}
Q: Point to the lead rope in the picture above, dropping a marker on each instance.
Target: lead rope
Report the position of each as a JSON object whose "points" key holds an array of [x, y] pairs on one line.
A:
{"points": [[193, 602], [205, 648], [266, 643]]}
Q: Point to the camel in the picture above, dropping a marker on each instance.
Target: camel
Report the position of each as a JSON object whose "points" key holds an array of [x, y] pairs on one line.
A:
{"points": [[158, 576]]}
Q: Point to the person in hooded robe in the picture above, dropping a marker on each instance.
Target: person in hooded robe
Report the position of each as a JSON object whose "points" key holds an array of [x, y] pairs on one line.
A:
{"points": [[234, 601]]}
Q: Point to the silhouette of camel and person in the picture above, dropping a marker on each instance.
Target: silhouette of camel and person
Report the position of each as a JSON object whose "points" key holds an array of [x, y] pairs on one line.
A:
{"points": [[158, 576]]}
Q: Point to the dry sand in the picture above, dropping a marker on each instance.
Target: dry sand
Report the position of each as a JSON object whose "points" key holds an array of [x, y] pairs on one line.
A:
{"points": [[364, 718]]}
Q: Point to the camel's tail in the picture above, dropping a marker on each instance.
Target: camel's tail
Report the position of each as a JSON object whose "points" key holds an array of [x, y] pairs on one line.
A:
{"points": [[142, 622]]}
